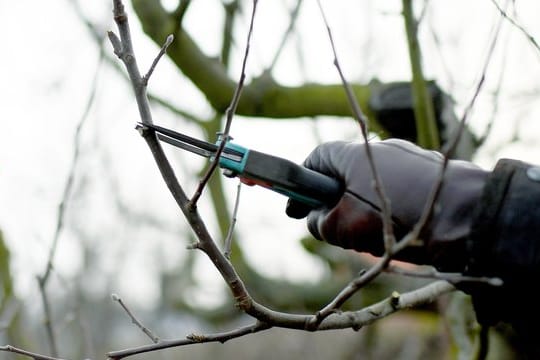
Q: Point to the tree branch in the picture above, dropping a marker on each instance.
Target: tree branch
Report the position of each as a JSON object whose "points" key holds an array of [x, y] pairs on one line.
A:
{"points": [[124, 51], [337, 320]]}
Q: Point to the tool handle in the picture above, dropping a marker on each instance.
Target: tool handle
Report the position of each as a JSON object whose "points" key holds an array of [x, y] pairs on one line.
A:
{"points": [[295, 181]]}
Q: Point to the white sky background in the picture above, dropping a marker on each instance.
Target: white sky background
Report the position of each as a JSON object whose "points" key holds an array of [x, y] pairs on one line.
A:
{"points": [[49, 61]]}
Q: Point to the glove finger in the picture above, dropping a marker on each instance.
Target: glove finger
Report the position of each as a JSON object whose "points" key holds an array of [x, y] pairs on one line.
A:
{"points": [[315, 219], [296, 209], [351, 224]]}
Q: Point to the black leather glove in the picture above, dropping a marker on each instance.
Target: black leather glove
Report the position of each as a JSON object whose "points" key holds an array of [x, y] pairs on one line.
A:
{"points": [[408, 174]]}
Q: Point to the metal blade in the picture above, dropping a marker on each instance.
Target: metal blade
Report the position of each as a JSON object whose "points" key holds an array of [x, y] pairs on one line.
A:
{"points": [[185, 146], [196, 146]]}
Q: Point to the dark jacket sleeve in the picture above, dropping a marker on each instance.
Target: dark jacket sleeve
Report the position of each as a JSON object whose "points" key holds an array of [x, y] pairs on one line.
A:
{"points": [[505, 243]]}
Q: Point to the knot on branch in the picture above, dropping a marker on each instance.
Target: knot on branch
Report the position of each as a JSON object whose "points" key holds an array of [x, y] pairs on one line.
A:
{"points": [[243, 302], [197, 338]]}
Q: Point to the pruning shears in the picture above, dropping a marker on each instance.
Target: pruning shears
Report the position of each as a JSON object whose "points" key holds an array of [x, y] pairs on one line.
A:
{"points": [[257, 168]]}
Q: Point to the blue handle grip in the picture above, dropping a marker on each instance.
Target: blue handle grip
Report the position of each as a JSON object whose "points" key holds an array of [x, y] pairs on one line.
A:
{"points": [[285, 177]]}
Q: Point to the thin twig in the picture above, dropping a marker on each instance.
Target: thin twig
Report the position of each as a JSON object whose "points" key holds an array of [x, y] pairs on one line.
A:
{"points": [[230, 233], [229, 113], [290, 28], [162, 52], [134, 319], [98, 37], [191, 339], [35, 356], [43, 279], [529, 37]]}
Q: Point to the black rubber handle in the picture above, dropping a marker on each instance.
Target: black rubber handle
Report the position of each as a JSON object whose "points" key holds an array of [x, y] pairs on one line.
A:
{"points": [[295, 181]]}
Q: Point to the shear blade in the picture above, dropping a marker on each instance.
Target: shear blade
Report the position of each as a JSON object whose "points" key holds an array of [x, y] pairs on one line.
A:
{"points": [[196, 146], [185, 146]]}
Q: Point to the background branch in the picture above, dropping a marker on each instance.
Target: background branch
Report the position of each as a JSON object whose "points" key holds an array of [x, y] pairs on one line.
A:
{"points": [[426, 126], [61, 212]]}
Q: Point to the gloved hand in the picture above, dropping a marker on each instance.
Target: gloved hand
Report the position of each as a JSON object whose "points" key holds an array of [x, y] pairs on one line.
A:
{"points": [[408, 174]]}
